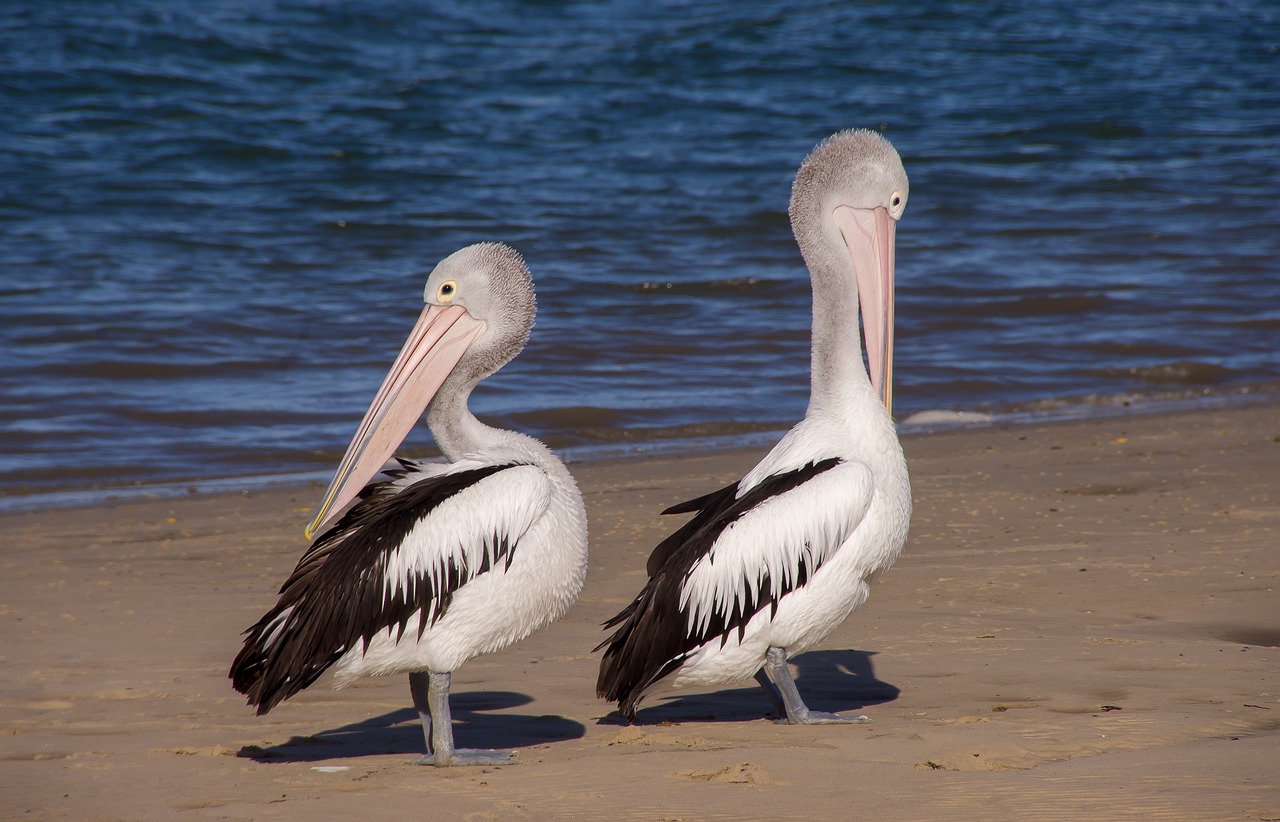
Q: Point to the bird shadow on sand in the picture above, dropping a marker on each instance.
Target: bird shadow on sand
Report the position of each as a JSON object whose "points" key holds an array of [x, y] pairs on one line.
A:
{"points": [[400, 732], [835, 681]]}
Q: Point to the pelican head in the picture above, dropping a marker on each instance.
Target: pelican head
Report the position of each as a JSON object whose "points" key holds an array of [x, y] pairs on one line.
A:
{"points": [[479, 310], [846, 201]]}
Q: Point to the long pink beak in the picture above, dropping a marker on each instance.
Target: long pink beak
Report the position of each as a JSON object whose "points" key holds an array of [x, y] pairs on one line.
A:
{"points": [[869, 238], [438, 340]]}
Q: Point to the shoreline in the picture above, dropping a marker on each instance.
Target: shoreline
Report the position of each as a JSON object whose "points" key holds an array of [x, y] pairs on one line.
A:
{"points": [[1083, 625], [920, 423]]}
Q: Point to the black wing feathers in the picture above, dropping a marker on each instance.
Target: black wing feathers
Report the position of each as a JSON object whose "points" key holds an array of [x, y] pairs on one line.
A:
{"points": [[654, 638], [336, 597], [708, 506]]}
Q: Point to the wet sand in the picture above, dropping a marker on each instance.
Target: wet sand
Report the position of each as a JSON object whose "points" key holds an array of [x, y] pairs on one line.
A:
{"points": [[1084, 625]]}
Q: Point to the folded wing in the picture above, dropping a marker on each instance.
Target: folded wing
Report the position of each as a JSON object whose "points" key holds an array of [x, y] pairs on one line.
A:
{"points": [[405, 549]]}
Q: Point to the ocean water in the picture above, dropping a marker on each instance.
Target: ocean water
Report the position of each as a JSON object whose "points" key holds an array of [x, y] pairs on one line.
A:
{"points": [[216, 218]]}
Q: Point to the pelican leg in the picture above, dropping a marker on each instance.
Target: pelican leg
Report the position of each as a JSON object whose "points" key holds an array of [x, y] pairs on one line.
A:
{"points": [[796, 712], [419, 686], [431, 697], [779, 709]]}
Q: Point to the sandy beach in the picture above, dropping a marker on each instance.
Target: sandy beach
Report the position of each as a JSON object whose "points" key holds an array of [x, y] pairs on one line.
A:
{"points": [[1084, 625]]}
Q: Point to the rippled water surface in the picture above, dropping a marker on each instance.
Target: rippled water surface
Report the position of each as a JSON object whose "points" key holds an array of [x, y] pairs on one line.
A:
{"points": [[217, 217]]}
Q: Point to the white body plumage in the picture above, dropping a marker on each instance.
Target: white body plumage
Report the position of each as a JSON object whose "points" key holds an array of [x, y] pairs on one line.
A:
{"points": [[855, 515], [536, 505]]}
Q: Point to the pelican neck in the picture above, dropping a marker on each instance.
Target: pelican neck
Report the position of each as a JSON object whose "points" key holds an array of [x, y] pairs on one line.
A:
{"points": [[839, 383]]}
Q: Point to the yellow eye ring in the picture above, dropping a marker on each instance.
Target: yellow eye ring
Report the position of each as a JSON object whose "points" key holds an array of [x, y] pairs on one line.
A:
{"points": [[447, 290]]}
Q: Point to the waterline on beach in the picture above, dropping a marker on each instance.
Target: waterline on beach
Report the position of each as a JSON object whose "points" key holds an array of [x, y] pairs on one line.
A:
{"points": [[651, 443]]}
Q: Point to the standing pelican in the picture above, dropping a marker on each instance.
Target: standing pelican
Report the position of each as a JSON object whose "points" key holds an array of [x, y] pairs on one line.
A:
{"points": [[435, 563], [771, 564]]}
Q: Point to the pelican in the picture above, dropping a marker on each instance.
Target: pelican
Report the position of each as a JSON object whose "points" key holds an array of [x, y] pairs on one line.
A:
{"points": [[435, 563], [769, 566]]}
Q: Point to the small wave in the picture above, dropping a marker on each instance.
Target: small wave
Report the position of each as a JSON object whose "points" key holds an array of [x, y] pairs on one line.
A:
{"points": [[578, 417], [733, 285], [214, 419], [1151, 399], [153, 370], [1039, 305], [942, 418], [609, 434], [585, 429], [1183, 372], [11, 502], [701, 430]]}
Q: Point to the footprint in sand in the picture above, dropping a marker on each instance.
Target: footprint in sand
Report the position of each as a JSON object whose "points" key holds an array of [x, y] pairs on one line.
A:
{"points": [[744, 773]]}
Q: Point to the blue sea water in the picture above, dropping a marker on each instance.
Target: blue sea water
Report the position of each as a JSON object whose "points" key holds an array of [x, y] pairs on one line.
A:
{"points": [[216, 218]]}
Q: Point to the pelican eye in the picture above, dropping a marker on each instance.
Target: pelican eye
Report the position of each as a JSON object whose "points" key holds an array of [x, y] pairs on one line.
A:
{"points": [[446, 291], [896, 203]]}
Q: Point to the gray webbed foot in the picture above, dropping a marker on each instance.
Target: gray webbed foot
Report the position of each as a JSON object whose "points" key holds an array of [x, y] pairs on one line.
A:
{"points": [[470, 756], [808, 717], [794, 711], [431, 698]]}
